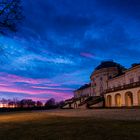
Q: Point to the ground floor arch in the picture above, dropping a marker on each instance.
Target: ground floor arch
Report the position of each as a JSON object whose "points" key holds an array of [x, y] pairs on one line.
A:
{"points": [[139, 98], [118, 100], [129, 99], [109, 101], [75, 105]]}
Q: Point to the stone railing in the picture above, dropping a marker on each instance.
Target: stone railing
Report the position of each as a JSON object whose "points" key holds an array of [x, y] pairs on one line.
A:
{"points": [[123, 87], [76, 99]]}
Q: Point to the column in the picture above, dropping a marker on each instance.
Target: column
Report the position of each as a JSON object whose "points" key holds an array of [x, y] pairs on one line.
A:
{"points": [[123, 98]]}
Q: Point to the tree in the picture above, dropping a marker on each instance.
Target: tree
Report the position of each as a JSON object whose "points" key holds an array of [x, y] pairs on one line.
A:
{"points": [[11, 104], [4, 102], [39, 104], [61, 104], [10, 15], [50, 103], [27, 103]]}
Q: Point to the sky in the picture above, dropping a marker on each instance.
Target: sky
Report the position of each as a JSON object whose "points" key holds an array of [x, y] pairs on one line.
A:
{"points": [[60, 42]]}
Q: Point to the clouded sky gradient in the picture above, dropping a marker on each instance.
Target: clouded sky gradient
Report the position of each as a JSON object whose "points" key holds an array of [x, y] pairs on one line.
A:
{"points": [[60, 42]]}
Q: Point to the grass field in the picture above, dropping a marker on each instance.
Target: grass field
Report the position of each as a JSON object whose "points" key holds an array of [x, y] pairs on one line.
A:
{"points": [[47, 126]]}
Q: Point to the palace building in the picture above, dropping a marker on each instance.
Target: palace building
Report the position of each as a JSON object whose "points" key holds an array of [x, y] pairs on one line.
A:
{"points": [[111, 85], [84, 90], [124, 90]]}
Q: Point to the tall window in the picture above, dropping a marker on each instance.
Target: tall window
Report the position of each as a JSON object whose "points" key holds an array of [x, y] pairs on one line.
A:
{"points": [[131, 80]]}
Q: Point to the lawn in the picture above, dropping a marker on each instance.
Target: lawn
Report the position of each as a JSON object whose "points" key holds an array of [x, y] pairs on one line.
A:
{"points": [[44, 126]]}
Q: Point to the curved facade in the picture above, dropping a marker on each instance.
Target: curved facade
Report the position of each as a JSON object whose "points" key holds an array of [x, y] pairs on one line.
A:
{"points": [[102, 74]]}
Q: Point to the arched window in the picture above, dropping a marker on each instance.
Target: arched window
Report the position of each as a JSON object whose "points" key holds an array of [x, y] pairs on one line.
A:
{"points": [[109, 101], [118, 100], [129, 99], [75, 105], [139, 97]]}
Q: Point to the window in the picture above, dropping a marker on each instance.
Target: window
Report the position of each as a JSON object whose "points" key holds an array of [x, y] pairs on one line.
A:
{"points": [[131, 80]]}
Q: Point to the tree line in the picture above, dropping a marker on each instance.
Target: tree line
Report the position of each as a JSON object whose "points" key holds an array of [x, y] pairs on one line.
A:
{"points": [[29, 103], [11, 14]]}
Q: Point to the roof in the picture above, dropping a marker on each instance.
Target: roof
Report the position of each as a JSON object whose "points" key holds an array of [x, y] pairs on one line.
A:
{"points": [[84, 86], [117, 76], [135, 64], [121, 73], [107, 64]]}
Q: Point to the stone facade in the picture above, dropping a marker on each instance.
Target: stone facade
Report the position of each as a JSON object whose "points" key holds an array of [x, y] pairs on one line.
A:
{"points": [[124, 90], [111, 86], [123, 98], [85, 90], [100, 79]]}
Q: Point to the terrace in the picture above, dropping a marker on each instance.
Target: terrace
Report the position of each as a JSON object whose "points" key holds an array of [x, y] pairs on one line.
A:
{"points": [[123, 87]]}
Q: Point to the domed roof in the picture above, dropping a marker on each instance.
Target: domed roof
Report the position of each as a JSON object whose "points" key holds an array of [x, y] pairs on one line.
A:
{"points": [[107, 64]]}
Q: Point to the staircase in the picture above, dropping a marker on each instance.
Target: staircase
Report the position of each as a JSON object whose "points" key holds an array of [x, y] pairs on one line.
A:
{"points": [[85, 101], [69, 103], [95, 100], [92, 100]]}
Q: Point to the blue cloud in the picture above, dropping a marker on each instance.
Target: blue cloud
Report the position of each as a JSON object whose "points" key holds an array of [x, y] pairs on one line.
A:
{"points": [[64, 40]]}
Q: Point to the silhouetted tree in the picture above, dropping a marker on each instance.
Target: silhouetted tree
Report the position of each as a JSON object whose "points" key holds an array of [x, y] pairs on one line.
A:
{"points": [[4, 102], [39, 104], [10, 15], [27, 103], [50, 103], [11, 104], [61, 103]]}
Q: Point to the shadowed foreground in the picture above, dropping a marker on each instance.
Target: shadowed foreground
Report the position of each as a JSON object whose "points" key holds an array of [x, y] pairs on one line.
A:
{"points": [[56, 125]]}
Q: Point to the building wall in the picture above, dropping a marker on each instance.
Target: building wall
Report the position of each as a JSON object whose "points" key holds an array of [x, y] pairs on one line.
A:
{"points": [[97, 105], [129, 97], [118, 81], [130, 76], [83, 92], [100, 79], [66, 106], [75, 103], [123, 100]]}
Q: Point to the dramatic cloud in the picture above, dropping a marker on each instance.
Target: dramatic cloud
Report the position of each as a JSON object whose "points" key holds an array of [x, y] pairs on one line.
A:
{"points": [[60, 42]]}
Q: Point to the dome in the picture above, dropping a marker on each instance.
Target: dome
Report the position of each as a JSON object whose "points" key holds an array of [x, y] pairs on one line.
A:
{"points": [[108, 64]]}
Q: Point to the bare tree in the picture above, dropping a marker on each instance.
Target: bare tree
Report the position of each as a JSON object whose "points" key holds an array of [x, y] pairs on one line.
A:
{"points": [[27, 103], [50, 103], [39, 104], [10, 15], [61, 103]]}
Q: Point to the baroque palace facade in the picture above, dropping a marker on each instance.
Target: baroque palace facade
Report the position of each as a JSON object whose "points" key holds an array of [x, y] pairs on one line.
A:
{"points": [[111, 86]]}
